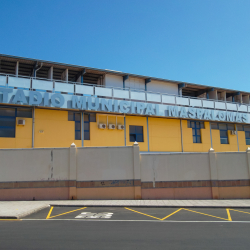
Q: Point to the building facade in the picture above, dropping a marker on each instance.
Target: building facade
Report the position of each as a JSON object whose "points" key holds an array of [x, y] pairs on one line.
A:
{"points": [[47, 104]]}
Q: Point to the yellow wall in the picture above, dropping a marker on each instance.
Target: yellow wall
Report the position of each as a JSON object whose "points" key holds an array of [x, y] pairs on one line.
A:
{"points": [[164, 134], [52, 129], [242, 141], [137, 121], [105, 137], [218, 147], [189, 146], [23, 137]]}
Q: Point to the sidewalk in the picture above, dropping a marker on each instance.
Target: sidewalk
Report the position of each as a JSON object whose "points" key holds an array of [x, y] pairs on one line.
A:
{"points": [[19, 209]]}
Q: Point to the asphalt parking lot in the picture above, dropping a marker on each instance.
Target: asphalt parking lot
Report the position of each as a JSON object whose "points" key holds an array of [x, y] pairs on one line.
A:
{"points": [[141, 214], [128, 228]]}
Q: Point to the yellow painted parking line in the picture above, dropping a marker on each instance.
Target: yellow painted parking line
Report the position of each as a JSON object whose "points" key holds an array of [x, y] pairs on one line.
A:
{"points": [[172, 214], [12, 219], [204, 214], [239, 211], [49, 217], [49, 213], [143, 213], [154, 216], [229, 215]]}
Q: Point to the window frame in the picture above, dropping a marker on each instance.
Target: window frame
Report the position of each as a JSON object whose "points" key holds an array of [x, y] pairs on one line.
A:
{"points": [[198, 125], [13, 117], [136, 134]]}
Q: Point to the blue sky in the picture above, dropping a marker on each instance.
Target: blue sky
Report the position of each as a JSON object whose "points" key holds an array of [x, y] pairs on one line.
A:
{"points": [[198, 41]]}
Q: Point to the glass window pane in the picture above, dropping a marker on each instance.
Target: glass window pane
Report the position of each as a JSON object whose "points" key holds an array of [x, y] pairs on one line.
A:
{"points": [[192, 124], [132, 129], [193, 131], [7, 132], [214, 125], [86, 126], [70, 116], [194, 139], [198, 132], [7, 112], [132, 137], [201, 124], [198, 140], [77, 126], [139, 138], [188, 124], [230, 127], [247, 128], [223, 133], [8, 121], [247, 134], [224, 141], [139, 129], [248, 141], [197, 125], [222, 126], [240, 128], [86, 117], [77, 117], [92, 117], [86, 135], [24, 113], [77, 135]]}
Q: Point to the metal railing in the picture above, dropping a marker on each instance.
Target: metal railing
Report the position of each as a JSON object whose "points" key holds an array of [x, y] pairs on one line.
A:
{"points": [[77, 88]]}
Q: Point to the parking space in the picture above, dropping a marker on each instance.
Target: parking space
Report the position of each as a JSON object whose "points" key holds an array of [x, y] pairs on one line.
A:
{"points": [[141, 214]]}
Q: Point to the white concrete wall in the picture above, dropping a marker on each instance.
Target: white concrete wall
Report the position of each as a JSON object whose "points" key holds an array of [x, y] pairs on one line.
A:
{"points": [[135, 83], [113, 81], [113, 163], [163, 87], [232, 166], [174, 167], [34, 164]]}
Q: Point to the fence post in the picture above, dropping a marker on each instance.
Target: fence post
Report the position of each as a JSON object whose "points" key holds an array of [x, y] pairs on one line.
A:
{"points": [[137, 171], [248, 161], [72, 172], [213, 173]]}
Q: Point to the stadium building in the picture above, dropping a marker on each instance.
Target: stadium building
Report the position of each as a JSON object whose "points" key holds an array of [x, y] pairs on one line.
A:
{"points": [[47, 104]]}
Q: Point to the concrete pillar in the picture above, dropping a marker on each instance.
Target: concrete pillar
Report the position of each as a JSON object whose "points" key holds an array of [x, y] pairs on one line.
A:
{"points": [[222, 96], [238, 98], [245, 99], [248, 161], [17, 68], [65, 75], [213, 173], [50, 73], [213, 95], [137, 171], [72, 172]]}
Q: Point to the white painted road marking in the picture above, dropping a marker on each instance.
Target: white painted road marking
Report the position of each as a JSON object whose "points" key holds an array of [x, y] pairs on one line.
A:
{"points": [[89, 215]]}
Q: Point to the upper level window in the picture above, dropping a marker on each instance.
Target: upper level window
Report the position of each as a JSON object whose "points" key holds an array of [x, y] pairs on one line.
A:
{"points": [[223, 127], [196, 130], [247, 132], [8, 120], [136, 133], [76, 116]]}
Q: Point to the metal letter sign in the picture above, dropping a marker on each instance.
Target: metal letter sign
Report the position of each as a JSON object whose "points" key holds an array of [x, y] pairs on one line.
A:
{"points": [[66, 101]]}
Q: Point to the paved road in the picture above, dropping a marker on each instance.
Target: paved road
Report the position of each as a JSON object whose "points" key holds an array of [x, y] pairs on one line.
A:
{"points": [[128, 228]]}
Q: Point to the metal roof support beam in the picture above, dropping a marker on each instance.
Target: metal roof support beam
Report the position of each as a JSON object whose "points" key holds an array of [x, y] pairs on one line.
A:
{"points": [[180, 87], [79, 76], [126, 77], [17, 68], [146, 82], [50, 73]]}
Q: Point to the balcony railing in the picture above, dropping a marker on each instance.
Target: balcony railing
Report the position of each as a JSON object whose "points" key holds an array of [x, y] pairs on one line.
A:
{"points": [[76, 88]]}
